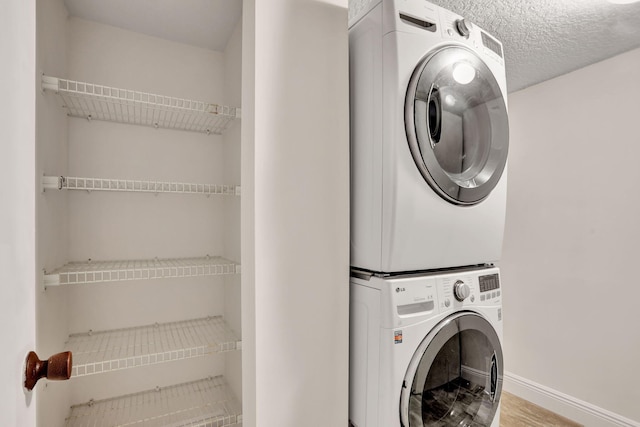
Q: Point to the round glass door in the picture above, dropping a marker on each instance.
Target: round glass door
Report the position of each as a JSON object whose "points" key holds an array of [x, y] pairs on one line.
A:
{"points": [[456, 124], [455, 376]]}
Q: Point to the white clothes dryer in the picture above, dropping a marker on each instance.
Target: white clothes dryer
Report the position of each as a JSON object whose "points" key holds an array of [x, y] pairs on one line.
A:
{"points": [[429, 138], [426, 350]]}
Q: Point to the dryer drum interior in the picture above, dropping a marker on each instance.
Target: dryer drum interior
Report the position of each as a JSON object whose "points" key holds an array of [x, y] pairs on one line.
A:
{"points": [[456, 124], [455, 376]]}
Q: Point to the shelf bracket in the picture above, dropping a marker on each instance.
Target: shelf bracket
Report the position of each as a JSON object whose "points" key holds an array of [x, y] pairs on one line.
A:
{"points": [[50, 83], [53, 183], [50, 279]]}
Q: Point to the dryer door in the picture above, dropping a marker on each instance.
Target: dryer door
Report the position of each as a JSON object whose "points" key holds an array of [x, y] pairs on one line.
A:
{"points": [[456, 124], [455, 377]]}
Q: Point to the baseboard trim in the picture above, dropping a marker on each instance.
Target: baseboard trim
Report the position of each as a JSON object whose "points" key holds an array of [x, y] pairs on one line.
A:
{"points": [[563, 404]]}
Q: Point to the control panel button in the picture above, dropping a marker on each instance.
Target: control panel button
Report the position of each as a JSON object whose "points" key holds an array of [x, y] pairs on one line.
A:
{"points": [[447, 303], [473, 298]]}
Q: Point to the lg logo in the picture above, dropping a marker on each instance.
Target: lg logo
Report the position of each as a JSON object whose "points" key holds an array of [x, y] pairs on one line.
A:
{"points": [[400, 289]]}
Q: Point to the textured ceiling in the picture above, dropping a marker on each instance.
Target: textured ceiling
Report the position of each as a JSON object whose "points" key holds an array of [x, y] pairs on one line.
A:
{"points": [[543, 39]]}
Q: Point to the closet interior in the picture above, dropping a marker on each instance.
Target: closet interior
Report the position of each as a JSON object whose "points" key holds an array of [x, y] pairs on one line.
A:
{"points": [[138, 222]]}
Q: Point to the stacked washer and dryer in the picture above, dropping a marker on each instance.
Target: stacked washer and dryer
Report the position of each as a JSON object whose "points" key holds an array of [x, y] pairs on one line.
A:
{"points": [[429, 143]]}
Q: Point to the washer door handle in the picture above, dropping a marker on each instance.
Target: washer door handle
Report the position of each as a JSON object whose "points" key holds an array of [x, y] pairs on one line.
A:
{"points": [[494, 377]]}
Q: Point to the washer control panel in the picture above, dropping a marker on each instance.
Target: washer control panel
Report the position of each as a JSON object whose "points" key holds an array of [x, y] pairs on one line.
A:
{"points": [[409, 299], [469, 289]]}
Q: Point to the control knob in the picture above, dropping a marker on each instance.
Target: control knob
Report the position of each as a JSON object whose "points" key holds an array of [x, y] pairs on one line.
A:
{"points": [[463, 27], [461, 290]]}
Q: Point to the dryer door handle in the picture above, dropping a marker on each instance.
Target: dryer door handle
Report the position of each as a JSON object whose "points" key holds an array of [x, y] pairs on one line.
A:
{"points": [[434, 116]]}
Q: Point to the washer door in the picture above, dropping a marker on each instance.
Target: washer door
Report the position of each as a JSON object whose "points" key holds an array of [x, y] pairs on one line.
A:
{"points": [[455, 376], [456, 124]]}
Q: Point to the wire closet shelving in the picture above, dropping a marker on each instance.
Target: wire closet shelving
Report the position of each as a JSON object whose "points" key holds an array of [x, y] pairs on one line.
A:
{"points": [[97, 352], [86, 272], [204, 403], [98, 102], [136, 186]]}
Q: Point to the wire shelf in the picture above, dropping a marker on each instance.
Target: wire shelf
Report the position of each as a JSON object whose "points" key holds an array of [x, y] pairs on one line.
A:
{"points": [[87, 272], [129, 185], [92, 101], [203, 403], [106, 351]]}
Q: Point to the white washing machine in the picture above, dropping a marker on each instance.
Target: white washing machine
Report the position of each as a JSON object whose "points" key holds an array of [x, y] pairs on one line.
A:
{"points": [[426, 349], [429, 138]]}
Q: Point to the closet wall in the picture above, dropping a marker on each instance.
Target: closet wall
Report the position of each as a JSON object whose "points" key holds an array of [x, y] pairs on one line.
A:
{"points": [[52, 231], [104, 225], [231, 208]]}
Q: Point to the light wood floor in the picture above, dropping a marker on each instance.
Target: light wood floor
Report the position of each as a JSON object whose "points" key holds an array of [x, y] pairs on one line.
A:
{"points": [[517, 412]]}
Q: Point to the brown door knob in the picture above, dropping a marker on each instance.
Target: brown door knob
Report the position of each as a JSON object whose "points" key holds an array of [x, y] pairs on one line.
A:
{"points": [[57, 367]]}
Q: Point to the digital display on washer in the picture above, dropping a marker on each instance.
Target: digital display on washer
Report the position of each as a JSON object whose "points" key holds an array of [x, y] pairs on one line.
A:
{"points": [[489, 283], [492, 44]]}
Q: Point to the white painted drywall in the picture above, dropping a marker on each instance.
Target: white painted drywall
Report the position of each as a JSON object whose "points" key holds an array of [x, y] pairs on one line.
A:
{"points": [[571, 244], [231, 148], [52, 213], [298, 218], [248, 214], [17, 208]]}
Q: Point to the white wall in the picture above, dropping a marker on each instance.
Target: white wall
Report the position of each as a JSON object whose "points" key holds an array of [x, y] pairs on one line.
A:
{"points": [[17, 212], [296, 224], [52, 230], [232, 219], [571, 289], [248, 214]]}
